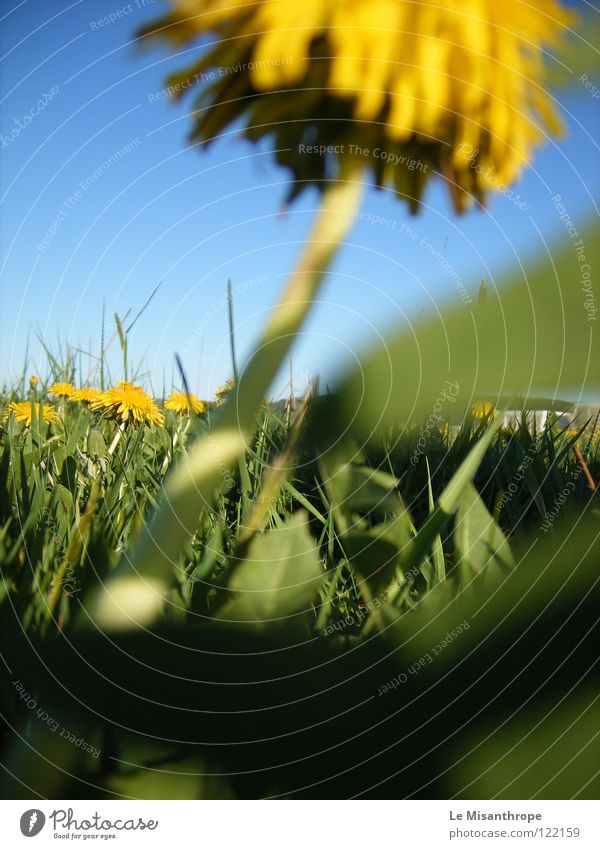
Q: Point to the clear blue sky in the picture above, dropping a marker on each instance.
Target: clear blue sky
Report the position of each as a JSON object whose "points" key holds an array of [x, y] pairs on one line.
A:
{"points": [[165, 212]]}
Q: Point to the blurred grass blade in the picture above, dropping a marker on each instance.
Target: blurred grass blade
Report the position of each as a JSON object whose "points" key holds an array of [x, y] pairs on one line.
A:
{"points": [[535, 334], [437, 550]]}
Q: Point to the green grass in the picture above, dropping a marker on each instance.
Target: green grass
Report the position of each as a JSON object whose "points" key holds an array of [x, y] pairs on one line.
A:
{"points": [[336, 549], [69, 509]]}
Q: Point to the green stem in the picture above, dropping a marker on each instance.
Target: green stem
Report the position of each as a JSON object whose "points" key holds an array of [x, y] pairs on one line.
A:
{"points": [[117, 436], [134, 597]]}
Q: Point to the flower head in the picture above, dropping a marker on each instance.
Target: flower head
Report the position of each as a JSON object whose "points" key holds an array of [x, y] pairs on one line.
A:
{"points": [[128, 404], [180, 402], [23, 412], [86, 394], [61, 390], [407, 87], [33, 381], [482, 410], [223, 392]]}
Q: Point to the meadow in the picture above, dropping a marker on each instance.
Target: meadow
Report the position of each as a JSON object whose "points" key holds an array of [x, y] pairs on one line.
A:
{"points": [[322, 572]]}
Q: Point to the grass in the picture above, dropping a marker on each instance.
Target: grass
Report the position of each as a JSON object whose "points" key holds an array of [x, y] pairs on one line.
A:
{"points": [[70, 506], [354, 547]]}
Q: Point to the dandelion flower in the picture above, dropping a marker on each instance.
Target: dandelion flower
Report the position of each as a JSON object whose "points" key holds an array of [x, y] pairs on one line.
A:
{"points": [[33, 381], [128, 404], [86, 394], [23, 412], [482, 410], [407, 87], [62, 390], [223, 392], [182, 403]]}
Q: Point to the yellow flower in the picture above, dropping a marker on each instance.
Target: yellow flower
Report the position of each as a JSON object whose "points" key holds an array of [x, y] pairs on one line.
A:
{"points": [[223, 392], [182, 403], [33, 381], [406, 87], [86, 394], [62, 390], [22, 411], [128, 404], [482, 409]]}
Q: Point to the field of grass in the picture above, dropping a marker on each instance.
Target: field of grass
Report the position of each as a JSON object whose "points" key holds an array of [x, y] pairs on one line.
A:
{"points": [[324, 612]]}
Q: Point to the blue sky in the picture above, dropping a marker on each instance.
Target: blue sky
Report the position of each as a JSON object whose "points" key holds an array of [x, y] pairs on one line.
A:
{"points": [[160, 211]]}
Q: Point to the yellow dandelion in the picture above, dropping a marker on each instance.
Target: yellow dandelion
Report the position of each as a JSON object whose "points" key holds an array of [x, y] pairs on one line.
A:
{"points": [[86, 394], [407, 87], [482, 410], [128, 404], [23, 412], [62, 390], [33, 381], [182, 403], [223, 392]]}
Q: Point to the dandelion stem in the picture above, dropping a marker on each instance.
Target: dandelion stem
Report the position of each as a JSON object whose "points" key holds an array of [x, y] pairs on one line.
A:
{"points": [[334, 220], [135, 593], [591, 484], [116, 438]]}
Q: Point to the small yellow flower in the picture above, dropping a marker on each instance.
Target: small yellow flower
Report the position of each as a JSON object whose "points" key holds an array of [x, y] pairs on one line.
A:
{"points": [[182, 403], [33, 381], [408, 88], [22, 411], [223, 392], [128, 404], [61, 390], [86, 394], [482, 410]]}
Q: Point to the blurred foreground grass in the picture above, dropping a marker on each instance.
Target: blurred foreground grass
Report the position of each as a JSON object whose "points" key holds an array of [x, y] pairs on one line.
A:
{"points": [[313, 582]]}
